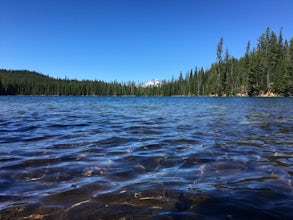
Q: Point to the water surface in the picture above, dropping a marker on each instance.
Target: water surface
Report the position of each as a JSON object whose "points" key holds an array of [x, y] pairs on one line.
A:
{"points": [[146, 158]]}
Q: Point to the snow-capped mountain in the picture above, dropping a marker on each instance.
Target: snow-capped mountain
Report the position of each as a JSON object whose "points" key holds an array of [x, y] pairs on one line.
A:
{"points": [[153, 82]]}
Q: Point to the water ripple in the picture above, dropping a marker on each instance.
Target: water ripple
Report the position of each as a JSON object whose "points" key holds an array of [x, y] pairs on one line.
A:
{"points": [[130, 157]]}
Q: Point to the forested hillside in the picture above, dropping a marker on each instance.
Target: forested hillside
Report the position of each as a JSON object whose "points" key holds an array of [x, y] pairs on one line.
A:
{"points": [[23, 82], [264, 70]]}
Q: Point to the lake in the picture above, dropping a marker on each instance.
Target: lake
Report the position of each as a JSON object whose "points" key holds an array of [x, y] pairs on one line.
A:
{"points": [[146, 158]]}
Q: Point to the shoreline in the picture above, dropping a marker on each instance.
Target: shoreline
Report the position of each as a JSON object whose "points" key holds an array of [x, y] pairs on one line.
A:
{"points": [[176, 96]]}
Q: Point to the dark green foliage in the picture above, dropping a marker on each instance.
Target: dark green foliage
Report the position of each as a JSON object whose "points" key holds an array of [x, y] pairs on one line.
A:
{"points": [[266, 69], [25, 82]]}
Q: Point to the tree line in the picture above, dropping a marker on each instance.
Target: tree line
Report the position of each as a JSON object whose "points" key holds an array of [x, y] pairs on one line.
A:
{"points": [[24, 82], [266, 69]]}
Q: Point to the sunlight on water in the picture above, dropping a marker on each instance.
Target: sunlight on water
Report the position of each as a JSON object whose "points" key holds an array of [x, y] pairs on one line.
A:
{"points": [[146, 157]]}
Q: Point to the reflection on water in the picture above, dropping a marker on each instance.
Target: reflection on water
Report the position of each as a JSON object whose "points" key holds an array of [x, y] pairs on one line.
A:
{"points": [[149, 158]]}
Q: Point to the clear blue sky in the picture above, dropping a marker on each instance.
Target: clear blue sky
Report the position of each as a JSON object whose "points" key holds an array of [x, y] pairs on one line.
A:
{"points": [[131, 39]]}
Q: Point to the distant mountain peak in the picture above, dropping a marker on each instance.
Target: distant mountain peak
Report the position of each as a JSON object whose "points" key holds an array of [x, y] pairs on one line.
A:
{"points": [[152, 82]]}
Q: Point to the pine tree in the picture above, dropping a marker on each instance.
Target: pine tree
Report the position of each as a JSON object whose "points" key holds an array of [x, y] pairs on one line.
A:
{"points": [[219, 66], [246, 71], [289, 70]]}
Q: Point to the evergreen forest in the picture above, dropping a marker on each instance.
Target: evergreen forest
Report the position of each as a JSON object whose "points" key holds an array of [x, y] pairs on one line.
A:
{"points": [[265, 70]]}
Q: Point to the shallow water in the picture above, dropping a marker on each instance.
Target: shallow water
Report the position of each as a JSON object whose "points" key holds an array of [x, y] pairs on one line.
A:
{"points": [[146, 158]]}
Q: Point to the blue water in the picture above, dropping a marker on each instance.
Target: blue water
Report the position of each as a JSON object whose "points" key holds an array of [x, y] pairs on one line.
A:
{"points": [[146, 158]]}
